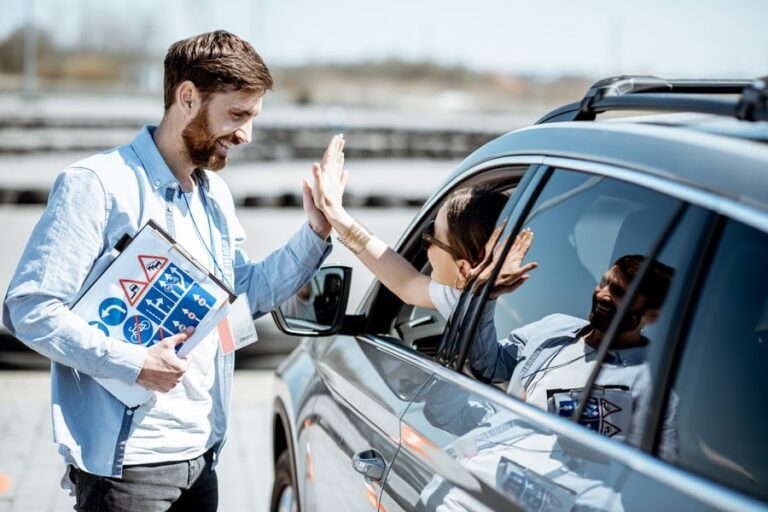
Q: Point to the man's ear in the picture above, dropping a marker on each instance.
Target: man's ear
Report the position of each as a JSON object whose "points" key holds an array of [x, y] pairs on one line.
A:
{"points": [[187, 97]]}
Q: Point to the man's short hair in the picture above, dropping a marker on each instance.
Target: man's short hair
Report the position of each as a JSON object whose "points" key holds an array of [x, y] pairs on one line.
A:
{"points": [[656, 283], [215, 62]]}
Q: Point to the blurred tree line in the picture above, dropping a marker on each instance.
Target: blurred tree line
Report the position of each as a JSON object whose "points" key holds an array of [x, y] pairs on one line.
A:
{"points": [[102, 58], [108, 57]]}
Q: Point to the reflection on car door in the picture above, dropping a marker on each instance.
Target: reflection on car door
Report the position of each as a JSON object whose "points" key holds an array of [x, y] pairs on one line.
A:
{"points": [[472, 448], [365, 386]]}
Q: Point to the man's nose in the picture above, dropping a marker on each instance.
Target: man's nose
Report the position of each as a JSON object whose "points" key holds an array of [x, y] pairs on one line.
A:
{"points": [[244, 132], [602, 293]]}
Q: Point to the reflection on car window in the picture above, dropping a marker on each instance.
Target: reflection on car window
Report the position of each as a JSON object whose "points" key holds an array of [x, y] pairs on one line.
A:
{"points": [[592, 236], [717, 397]]}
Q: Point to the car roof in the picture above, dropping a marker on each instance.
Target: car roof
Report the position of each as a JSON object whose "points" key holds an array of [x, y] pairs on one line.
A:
{"points": [[719, 125], [723, 156]]}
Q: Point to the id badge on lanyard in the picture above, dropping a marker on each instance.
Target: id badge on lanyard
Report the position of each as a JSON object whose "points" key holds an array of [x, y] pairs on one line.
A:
{"points": [[237, 329]]}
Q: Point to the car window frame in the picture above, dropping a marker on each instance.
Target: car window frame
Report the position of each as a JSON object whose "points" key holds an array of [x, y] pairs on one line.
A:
{"points": [[468, 319], [514, 212], [409, 245]]}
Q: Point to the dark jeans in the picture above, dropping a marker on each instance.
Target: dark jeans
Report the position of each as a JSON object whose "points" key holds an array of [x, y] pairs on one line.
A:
{"points": [[172, 486]]}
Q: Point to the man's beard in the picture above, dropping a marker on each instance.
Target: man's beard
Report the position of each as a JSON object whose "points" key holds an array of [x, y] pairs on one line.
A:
{"points": [[200, 144], [600, 320]]}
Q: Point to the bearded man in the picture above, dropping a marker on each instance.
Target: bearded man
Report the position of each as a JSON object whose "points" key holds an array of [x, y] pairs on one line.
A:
{"points": [[162, 454], [549, 361]]}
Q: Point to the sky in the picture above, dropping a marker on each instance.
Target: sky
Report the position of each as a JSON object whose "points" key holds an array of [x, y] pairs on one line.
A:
{"points": [[668, 38]]}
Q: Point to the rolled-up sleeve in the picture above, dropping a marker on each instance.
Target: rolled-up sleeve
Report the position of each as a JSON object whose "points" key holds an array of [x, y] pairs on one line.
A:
{"points": [[272, 281], [63, 246]]}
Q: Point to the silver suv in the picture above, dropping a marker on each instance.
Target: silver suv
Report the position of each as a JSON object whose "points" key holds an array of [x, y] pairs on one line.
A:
{"points": [[395, 408]]}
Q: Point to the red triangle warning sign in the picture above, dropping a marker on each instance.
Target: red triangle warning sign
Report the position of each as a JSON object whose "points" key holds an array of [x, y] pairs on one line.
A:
{"points": [[152, 265], [133, 289]]}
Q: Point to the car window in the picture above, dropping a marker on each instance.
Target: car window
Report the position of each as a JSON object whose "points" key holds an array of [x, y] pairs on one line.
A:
{"points": [[419, 328], [716, 403], [591, 236], [640, 347], [581, 224]]}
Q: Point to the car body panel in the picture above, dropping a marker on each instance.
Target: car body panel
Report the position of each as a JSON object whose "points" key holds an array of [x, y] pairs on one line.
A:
{"points": [[361, 393], [449, 440]]}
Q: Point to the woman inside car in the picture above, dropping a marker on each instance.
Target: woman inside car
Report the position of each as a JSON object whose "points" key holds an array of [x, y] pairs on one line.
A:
{"points": [[459, 241]]}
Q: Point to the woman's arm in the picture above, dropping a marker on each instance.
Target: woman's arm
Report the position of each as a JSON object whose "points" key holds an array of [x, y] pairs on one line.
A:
{"points": [[394, 271]]}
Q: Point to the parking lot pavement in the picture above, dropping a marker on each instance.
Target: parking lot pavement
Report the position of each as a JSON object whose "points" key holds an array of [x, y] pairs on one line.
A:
{"points": [[31, 468]]}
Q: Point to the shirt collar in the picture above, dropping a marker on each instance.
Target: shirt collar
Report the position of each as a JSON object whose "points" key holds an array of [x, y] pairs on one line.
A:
{"points": [[160, 175], [625, 356]]}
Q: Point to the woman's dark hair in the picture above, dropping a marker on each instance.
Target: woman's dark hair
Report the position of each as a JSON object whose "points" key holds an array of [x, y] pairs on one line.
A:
{"points": [[472, 215]]}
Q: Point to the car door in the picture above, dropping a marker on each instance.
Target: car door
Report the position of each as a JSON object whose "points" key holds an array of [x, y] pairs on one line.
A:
{"points": [[364, 384], [468, 445], [366, 381]]}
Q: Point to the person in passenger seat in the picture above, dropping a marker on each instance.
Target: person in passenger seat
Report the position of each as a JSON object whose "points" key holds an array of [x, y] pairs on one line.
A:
{"points": [[548, 362], [459, 241]]}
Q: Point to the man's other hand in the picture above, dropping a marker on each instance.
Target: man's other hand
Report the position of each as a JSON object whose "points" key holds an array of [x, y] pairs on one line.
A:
{"points": [[163, 369]]}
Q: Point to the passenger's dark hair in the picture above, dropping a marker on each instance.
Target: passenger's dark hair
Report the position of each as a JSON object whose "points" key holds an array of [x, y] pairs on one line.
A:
{"points": [[656, 283], [215, 62], [472, 215]]}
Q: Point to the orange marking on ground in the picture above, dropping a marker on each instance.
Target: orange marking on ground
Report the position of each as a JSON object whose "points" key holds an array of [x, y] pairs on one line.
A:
{"points": [[5, 483]]}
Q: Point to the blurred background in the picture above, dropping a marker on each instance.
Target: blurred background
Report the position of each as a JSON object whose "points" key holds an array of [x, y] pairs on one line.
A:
{"points": [[414, 85]]}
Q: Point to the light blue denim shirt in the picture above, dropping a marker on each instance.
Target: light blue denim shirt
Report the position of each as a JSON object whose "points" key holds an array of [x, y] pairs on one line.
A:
{"points": [[92, 204]]}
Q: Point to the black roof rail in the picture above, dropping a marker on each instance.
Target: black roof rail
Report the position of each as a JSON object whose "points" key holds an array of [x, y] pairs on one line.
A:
{"points": [[651, 93]]}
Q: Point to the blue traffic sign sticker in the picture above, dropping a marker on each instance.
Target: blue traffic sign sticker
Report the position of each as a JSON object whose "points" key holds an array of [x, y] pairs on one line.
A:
{"points": [[112, 311], [138, 330], [103, 328], [174, 282], [190, 310], [156, 305]]}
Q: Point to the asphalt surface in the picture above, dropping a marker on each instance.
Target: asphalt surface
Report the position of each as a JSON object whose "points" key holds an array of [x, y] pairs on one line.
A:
{"points": [[31, 468]]}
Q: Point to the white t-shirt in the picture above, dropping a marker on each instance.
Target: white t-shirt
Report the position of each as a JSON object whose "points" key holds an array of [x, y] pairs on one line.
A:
{"points": [[443, 297], [577, 357], [176, 425]]}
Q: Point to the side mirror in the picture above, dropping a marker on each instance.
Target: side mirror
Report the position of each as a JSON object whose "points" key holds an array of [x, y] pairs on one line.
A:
{"points": [[318, 308]]}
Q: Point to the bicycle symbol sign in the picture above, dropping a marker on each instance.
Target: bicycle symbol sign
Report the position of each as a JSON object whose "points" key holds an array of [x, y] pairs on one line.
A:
{"points": [[137, 329]]}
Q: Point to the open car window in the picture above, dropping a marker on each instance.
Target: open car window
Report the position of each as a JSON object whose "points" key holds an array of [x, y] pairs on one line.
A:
{"points": [[419, 328]]}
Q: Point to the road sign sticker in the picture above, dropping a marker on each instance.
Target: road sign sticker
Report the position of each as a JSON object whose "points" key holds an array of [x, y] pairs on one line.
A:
{"points": [[138, 330], [133, 289], [100, 326], [152, 265], [112, 311]]}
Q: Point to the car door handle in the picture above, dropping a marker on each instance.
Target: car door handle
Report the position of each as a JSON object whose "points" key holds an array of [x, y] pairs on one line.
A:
{"points": [[370, 464]]}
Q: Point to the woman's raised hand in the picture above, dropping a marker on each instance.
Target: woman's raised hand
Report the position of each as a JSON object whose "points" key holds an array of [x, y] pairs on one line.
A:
{"points": [[512, 273], [329, 177]]}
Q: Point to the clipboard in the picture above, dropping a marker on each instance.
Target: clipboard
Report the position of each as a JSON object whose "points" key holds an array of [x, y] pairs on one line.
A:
{"points": [[152, 290]]}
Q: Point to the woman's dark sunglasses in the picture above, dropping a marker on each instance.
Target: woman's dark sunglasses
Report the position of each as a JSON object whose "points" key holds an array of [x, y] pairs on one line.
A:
{"points": [[428, 238]]}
